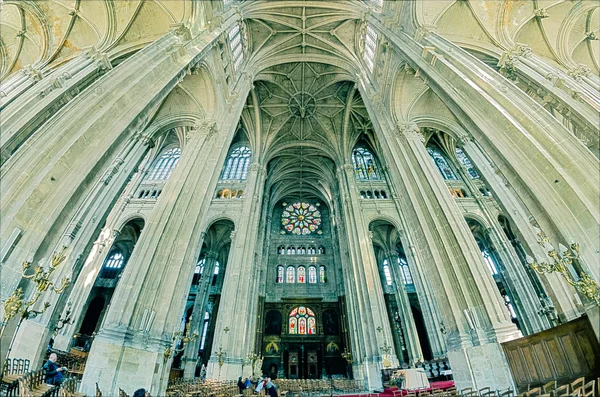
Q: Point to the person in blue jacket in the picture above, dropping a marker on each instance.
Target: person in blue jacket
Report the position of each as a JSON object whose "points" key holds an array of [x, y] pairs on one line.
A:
{"points": [[53, 372]]}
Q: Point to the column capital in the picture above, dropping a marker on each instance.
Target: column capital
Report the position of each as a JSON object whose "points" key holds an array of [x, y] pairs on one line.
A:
{"points": [[211, 255], [410, 131]]}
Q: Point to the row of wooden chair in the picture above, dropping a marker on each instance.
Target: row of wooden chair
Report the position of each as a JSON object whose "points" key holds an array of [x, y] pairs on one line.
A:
{"points": [[203, 388], [578, 388], [69, 388], [33, 384]]}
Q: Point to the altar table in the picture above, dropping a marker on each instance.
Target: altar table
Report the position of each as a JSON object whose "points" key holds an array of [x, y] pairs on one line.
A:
{"points": [[414, 378]]}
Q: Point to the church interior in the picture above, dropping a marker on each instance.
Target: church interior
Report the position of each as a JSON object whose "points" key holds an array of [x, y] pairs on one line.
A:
{"points": [[345, 197]]}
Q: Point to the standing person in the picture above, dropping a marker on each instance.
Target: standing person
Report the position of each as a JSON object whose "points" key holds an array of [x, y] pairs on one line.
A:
{"points": [[141, 393], [271, 389], [53, 372]]}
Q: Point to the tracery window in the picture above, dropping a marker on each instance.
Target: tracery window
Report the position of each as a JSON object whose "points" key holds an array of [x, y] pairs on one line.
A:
{"points": [[237, 165], [301, 274], [163, 166], [442, 164], [198, 271], [302, 321], [406, 276], [290, 276], [279, 274], [301, 218], [386, 272], [235, 43], [466, 163], [312, 275], [365, 166], [322, 274], [115, 260], [370, 47]]}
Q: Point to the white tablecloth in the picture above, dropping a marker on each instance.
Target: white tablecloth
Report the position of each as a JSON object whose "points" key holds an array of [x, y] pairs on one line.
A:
{"points": [[414, 378]]}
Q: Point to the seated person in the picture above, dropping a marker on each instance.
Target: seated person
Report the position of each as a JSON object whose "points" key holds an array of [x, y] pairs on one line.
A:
{"points": [[53, 372]]}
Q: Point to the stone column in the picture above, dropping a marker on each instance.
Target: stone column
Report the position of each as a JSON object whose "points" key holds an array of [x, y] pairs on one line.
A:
{"points": [[148, 303], [473, 313], [237, 319], [190, 356], [556, 287], [367, 314], [411, 336]]}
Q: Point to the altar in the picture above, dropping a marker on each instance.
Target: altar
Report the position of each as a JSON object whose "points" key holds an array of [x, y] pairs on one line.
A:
{"points": [[414, 378]]}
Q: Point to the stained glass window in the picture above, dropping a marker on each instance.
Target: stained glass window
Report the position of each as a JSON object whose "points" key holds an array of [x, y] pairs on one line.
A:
{"points": [[301, 218], [466, 163], [442, 164], [237, 165], [322, 274], [290, 276], [237, 50], [365, 166], [406, 276], [279, 274], [370, 47], [312, 275], [164, 165], [114, 261], [302, 321], [301, 274], [386, 273]]}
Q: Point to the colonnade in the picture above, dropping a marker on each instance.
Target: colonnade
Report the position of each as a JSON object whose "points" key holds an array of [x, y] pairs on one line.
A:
{"points": [[98, 139]]}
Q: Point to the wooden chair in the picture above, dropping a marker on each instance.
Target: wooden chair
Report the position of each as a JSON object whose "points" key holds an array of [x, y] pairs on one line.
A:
{"points": [[549, 387], [577, 386], [562, 391], [506, 393], [533, 392]]}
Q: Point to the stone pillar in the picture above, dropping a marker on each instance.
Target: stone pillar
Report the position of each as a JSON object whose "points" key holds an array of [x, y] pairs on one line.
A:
{"points": [[411, 337], [473, 313], [556, 287], [33, 336], [149, 301], [236, 320], [190, 356], [367, 315]]}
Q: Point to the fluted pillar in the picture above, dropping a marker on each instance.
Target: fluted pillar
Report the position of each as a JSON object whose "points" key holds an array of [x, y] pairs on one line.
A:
{"points": [[236, 318], [190, 356], [368, 320], [130, 345], [411, 336]]}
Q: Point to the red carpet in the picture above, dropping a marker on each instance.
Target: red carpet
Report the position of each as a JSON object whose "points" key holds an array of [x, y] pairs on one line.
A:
{"points": [[389, 392]]}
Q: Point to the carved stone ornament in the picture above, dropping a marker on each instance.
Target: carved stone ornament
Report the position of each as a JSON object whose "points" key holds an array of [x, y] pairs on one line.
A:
{"points": [[410, 131], [181, 31], [580, 72], [541, 13]]}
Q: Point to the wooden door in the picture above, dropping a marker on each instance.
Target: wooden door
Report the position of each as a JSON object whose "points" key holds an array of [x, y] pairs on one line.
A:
{"points": [[293, 365]]}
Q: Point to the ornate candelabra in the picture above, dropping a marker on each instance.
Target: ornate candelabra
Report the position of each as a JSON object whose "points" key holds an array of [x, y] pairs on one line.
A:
{"points": [[15, 305], [60, 324], [561, 260], [180, 337], [347, 355], [251, 359]]}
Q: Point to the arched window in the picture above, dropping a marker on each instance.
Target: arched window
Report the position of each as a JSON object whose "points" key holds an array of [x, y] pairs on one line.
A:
{"points": [[466, 163], [311, 250], [370, 47], [406, 276], [489, 261], [322, 274], [302, 321], [198, 271], [312, 275], [291, 250], [204, 330], [279, 274], [386, 273], [281, 250], [290, 275], [164, 165], [301, 274], [321, 250], [365, 167], [301, 250], [237, 165], [115, 260], [442, 164], [216, 274]]}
